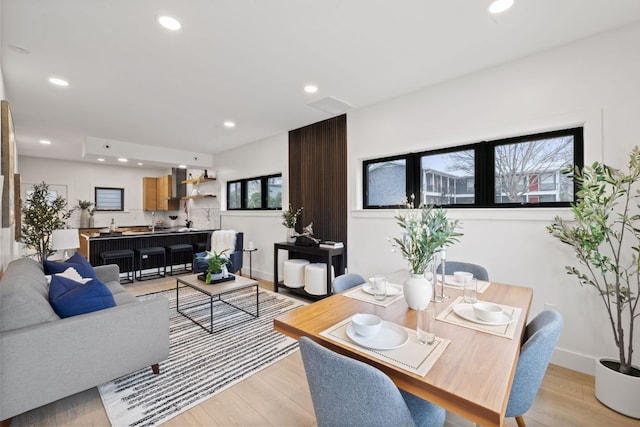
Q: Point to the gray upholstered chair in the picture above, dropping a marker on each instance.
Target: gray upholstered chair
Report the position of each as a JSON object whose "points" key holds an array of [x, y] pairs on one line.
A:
{"points": [[346, 391], [478, 271], [346, 281], [540, 338]]}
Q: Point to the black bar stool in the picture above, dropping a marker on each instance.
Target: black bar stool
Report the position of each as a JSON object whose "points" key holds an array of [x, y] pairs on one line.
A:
{"points": [[117, 257], [143, 254], [180, 254]]}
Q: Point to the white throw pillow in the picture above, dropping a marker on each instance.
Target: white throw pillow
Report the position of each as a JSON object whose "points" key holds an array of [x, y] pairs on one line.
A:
{"points": [[72, 274]]}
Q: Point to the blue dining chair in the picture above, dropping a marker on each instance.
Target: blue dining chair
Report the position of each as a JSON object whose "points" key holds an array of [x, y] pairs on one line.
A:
{"points": [[346, 281], [540, 338], [478, 271], [346, 391]]}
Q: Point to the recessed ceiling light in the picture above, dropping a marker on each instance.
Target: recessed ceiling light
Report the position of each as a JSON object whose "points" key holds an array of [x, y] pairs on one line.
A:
{"points": [[182, 166], [229, 124], [311, 88], [169, 23], [58, 81], [100, 159], [139, 163], [122, 159], [499, 6], [45, 142]]}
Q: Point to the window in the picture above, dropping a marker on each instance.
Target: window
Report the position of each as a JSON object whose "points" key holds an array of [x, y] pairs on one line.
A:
{"points": [[109, 199], [264, 192], [521, 171]]}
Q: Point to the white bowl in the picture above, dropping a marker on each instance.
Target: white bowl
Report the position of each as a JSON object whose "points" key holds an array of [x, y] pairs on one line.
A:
{"points": [[366, 325], [487, 311], [462, 276]]}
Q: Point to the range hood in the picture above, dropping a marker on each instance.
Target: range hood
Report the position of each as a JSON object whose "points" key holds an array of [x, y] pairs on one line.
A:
{"points": [[178, 189]]}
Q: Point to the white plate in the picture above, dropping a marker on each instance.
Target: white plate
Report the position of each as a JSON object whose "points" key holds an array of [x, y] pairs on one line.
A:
{"points": [[392, 290], [466, 312], [450, 281], [390, 336]]}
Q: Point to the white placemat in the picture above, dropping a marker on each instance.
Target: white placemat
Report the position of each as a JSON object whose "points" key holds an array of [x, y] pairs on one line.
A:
{"points": [[359, 294], [506, 331], [413, 357], [450, 282]]}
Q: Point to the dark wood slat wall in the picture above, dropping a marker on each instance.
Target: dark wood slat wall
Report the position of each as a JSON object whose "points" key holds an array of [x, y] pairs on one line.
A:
{"points": [[318, 177]]}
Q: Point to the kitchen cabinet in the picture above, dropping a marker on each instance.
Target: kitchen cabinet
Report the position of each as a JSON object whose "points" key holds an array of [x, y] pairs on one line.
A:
{"points": [[149, 193], [157, 194]]}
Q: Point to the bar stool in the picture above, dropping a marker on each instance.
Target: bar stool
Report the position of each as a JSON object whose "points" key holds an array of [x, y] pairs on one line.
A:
{"points": [[180, 254], [116, 257], [147, 253]]}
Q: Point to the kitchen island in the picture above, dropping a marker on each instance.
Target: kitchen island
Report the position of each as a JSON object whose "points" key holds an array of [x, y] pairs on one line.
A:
{"points": [[93, 242]]}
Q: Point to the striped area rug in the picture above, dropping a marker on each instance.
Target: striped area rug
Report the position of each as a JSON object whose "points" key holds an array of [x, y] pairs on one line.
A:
{"points": [[200, 364]]}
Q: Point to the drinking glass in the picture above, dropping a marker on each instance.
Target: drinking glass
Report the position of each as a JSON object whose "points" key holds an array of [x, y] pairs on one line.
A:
{"points": [[424, 327], [379, 287], [470, 291]]}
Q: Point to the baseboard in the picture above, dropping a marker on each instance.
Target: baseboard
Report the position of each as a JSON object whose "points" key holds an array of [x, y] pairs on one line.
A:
{"points": [[574, 361]]}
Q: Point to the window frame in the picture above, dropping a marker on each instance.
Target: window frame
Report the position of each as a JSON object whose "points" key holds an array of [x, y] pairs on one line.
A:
{"points": [[96, 190], [264, 188], [484, 188]]}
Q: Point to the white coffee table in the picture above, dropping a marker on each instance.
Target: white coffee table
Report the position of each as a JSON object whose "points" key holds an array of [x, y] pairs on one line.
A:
{"points": [[215, 293]]}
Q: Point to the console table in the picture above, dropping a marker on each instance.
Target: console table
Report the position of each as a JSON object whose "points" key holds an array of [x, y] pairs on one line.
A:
{"points": [[330, 256]]}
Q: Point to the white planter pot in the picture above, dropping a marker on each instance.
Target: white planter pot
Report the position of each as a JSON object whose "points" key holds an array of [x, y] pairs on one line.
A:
{"points": [[417, 291], [618, 391]]}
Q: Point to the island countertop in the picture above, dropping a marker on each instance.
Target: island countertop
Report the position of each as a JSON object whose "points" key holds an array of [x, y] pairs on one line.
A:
{"points": [[93, 242]]}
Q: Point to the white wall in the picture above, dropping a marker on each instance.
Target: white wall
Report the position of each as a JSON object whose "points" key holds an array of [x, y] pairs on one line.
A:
{"points": [[594, 83], [79, 179], [265, 157]]}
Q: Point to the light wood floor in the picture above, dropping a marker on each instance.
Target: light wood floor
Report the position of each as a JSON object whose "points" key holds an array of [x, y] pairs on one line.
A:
{"points": [[279, 396]]}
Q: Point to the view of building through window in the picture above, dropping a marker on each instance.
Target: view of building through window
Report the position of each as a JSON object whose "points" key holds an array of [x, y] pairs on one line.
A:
{"points": [[448, 178], [524, 170], [531, 171]]}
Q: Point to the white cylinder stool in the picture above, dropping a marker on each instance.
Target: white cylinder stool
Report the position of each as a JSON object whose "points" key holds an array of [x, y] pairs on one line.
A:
{"points": [[294, 272], [315, 278]]}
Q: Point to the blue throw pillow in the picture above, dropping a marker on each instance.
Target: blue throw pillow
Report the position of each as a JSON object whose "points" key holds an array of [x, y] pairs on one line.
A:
{"points": [[77, 261], [70, 298]]}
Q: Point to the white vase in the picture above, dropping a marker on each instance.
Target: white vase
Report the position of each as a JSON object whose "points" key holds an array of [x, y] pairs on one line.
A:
{"points": [[417, 291], [290, 235], [617, 391], [84, 218]]}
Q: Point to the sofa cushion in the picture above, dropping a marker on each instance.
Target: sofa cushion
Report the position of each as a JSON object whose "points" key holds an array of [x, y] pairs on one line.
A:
{"points": [[70, 298], [77, 261], [23, 296]]}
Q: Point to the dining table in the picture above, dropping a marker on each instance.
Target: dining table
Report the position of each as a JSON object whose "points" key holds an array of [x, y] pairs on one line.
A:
{"points": [[472, 377]]}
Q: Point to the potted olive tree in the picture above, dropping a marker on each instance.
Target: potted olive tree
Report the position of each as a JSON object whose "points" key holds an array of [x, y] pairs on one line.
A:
{"points": [[42, 213], [605, 238]]}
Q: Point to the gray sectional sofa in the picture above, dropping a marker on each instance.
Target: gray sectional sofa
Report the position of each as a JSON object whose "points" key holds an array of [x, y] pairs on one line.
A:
{"points": [[44, 358]]}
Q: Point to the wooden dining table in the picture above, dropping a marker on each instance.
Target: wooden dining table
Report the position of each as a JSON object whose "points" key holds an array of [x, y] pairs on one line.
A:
{"points": [[472, 378]]}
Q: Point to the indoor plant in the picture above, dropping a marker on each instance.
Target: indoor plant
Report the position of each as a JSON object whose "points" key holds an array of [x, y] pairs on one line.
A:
{"points": [[41, 215], [426, 230], [216, 262], [289, 220], [84, 206], [605, 237]]}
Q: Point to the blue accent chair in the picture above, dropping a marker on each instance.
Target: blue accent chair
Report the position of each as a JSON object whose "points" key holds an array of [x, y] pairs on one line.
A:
{"points": [[347, 281], [540, 338], [346, 391], [236, 256], [478, 271]]}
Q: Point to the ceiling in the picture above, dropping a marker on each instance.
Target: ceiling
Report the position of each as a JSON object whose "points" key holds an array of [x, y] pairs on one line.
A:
{"points": [[131, 81]]}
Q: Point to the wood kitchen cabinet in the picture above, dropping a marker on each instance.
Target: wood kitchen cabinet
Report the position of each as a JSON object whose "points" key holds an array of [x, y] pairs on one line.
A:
{"points": [[157, 194], [149, 193]]}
